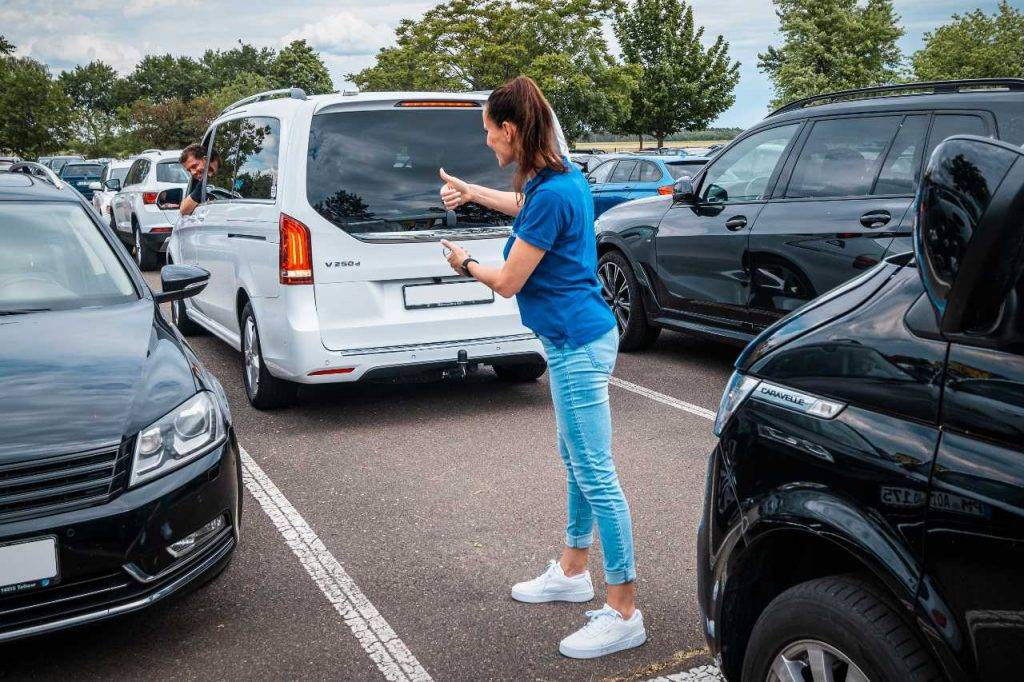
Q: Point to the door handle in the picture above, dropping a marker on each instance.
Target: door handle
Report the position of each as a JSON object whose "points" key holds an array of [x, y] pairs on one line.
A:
{"points": [[736, 223], [875, 219]]}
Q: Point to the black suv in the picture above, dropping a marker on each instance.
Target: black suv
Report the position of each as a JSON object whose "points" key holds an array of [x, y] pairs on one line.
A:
{"points": [[120, 478], [812, 196], [864, 510]]}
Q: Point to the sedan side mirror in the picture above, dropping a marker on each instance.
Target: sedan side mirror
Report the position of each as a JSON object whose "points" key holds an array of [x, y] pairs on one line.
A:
{"points": [[683, 192], [170, 198], [967, 234], [113, 184], [181, 281]]}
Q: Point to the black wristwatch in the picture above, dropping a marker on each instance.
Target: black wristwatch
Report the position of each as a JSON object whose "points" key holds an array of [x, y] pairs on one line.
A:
{"points": [[465, 265]]}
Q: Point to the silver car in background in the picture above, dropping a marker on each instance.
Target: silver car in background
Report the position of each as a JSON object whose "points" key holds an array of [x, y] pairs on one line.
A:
{"points": [[110, 184]]}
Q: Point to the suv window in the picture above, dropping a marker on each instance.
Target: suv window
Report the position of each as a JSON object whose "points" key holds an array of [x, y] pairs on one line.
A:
{"points": [[171, 171], [376, 171], [742, 172], [841, 157], [622, 171], [601, 173], [947, 125], [648, 172], [901, 170], [56, 259], [256, 165], [137, 172]]}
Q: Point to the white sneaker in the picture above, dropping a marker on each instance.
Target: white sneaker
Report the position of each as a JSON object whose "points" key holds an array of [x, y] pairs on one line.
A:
{"points": [[606, 633], [553, 585]]}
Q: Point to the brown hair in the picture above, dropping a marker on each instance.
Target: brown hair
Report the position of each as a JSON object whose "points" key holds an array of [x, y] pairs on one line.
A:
{"points": [[521, 103], [198, 151]]}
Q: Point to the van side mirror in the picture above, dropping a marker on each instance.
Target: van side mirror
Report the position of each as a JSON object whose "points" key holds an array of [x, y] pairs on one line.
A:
{"points": [[170, 198], [113, 184], [683, 192], [967, 233], [180, 281]]}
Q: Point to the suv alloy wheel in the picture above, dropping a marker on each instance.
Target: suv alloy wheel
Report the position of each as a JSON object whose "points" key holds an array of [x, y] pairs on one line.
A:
{"points": [[264, 390], [621, 292]]}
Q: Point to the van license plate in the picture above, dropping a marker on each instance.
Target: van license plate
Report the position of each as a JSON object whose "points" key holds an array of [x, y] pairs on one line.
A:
{"points": [[446, 295], [25, 565]]}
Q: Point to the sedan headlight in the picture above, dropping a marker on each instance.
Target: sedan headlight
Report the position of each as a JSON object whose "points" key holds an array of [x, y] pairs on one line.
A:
{"points": [[188, 431], [736, 391]]}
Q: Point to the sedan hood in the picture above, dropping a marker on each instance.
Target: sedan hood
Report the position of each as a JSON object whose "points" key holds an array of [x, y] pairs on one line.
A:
{"points": [[74, 380]]}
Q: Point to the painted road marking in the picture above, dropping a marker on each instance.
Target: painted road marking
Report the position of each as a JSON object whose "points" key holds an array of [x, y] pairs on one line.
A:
{"points": [[704, 673], [662, 398], [379, 641]]}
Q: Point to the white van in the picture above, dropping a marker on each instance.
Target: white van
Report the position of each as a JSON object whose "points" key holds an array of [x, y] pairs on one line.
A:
{"points": [[321, 233]]}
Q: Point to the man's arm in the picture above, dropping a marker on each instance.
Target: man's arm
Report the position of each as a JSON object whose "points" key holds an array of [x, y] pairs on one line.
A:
{"points": [[188, 205]]}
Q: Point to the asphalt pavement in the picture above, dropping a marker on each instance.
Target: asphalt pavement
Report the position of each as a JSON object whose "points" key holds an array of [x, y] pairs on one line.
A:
{"points": [[390, 521]]}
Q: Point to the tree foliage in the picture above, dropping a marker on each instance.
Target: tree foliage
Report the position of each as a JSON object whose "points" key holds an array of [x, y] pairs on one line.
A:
{"points": [[470, 45], [36, 114], [974, 45], [172, 123], [832, 45], [299, 66], [683, 85], [6, 46], [92, 89]]}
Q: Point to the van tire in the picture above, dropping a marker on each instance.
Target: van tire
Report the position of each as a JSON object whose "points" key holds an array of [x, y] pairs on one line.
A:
{"points": [[637, 333], [849, 614], [269, 392], [521, 373]]}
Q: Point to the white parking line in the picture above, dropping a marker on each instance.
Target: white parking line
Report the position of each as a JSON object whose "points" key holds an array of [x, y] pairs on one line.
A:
{"points": [[379, 641], [704, 673], [662, 398]]}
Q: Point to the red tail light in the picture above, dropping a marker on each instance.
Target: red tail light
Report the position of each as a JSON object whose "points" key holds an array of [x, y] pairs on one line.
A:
{"points": [[296, 252], [438, 104], [149, 197], [666, 190], [161, 230]]}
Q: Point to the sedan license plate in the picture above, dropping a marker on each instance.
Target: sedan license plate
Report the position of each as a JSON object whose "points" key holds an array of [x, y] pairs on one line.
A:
{"points": [[445, 295], [25, 565]]}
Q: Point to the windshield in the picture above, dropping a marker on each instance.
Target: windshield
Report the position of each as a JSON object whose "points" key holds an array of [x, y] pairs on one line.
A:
{"points": [[171, 171], [53, 257], [377, 171], [81, 170]]}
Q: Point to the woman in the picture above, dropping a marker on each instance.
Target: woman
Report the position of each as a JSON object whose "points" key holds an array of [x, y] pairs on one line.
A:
{"points": [[550, 266]]}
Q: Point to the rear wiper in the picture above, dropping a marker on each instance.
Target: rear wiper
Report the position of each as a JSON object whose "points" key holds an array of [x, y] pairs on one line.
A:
{"points": [[22, 311]]}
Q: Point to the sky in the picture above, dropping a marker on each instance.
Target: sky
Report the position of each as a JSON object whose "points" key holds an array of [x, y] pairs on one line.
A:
{"points": [[348, 33]]}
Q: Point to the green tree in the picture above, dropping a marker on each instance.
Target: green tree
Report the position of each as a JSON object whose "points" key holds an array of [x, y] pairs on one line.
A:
{"points": [[242, 85], [832, 45], [92, 89], [163, 77], [470, 45], [37, 115], [172, 123], [683, 85], [6, 46], [225, 66], [299, 66], [974, 45]]}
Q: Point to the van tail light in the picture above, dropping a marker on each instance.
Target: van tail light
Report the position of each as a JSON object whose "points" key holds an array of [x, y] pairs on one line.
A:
{"points": [[149, 197], [666, 190], [161, 230], [296, 252]]}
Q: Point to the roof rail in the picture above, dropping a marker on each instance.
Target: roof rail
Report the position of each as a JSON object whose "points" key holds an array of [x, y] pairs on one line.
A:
{"points": [[922, 88], [294, 93], [38, 170], [149, 151]]}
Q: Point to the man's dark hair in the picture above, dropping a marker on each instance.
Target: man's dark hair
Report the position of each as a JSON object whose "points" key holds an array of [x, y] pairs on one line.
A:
{"points": [[195, 150]]}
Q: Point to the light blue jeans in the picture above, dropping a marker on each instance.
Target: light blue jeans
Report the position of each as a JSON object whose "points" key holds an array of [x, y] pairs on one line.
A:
{"points": [[579, 391]]}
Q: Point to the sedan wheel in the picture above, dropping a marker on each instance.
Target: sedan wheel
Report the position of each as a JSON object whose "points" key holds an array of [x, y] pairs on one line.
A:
{"points": [[814, 661]]}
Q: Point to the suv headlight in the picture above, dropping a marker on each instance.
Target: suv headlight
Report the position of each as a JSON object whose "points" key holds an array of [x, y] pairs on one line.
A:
{"points": [[736, 391], [188, 431]]}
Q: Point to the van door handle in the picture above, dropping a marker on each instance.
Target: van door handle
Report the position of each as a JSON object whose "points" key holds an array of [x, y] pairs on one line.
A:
{"points": [[875, 219], [736, 223]]}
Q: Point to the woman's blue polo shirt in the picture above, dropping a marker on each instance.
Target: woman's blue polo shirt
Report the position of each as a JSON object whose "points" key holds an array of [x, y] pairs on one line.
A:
{"points": [[561, 300]]}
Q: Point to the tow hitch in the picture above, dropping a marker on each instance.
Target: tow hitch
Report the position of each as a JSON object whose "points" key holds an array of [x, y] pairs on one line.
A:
{"points": [[461, 369]]}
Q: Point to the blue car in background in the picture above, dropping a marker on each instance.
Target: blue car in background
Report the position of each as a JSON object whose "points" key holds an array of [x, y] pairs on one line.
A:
{"points": [[85, 177], [633, 176]]}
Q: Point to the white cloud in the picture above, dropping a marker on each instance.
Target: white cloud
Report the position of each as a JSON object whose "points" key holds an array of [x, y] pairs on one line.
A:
{"points": [[343, 33], [136, 8], [81, 49]]}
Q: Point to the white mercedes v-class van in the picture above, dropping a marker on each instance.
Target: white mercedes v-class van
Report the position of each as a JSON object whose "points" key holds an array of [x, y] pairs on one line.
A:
{"points": [[321, 231]]}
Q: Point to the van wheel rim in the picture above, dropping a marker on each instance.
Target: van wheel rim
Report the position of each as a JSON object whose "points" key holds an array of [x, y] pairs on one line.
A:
{"points": [[809, 660], [615, 290], [252, 356]]}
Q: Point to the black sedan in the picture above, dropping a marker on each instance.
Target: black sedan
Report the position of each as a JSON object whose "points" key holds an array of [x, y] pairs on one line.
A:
{"points": [[120, 477]]}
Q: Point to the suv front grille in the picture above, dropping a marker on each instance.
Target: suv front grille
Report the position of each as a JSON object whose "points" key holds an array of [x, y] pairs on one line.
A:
{"points": [[55, 484]]}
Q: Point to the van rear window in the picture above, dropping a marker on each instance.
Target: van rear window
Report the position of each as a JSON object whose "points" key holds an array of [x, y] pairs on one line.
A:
{"points": [[372, 172]]}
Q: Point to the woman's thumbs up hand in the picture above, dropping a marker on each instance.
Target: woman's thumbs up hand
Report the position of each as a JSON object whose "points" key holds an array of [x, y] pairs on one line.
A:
{"points": [[454, 192]]}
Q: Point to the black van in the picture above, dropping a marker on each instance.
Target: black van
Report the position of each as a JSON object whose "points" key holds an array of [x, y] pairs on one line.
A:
{"points": [[864, 511], [807, 199]]}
